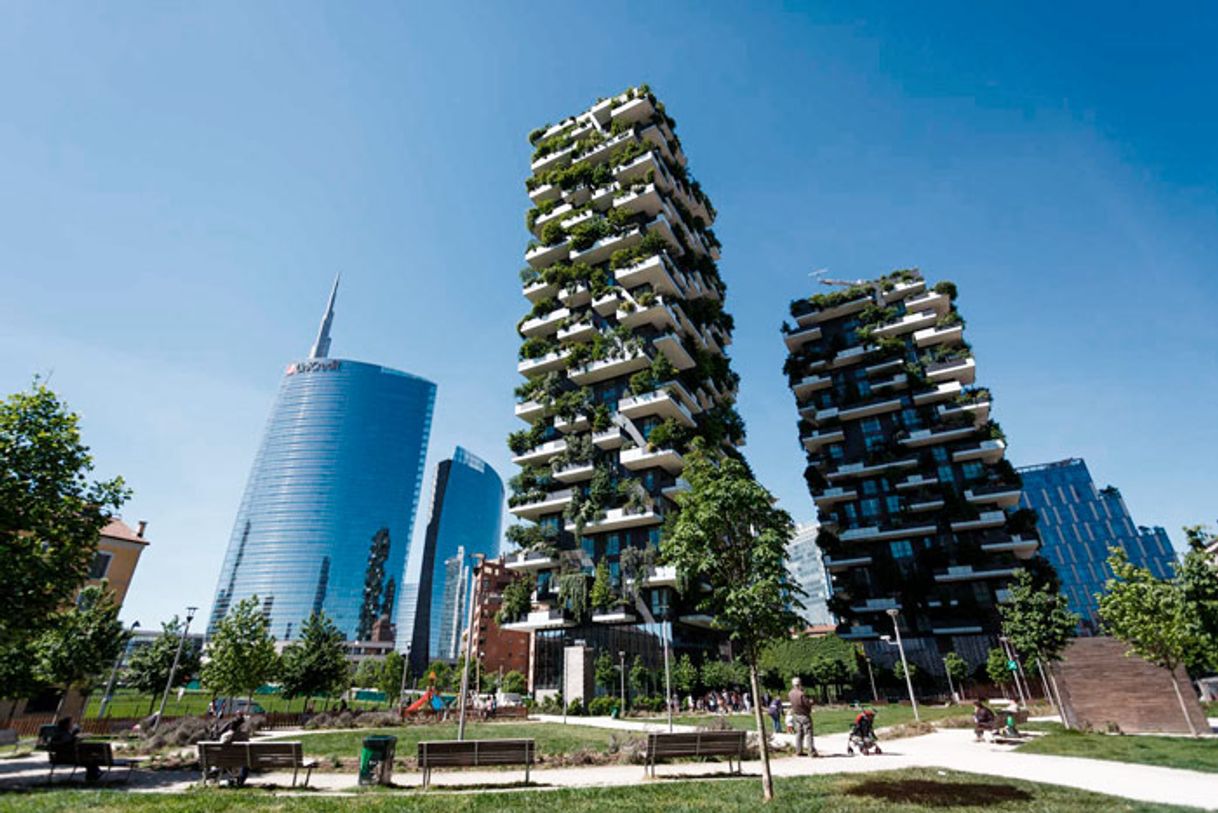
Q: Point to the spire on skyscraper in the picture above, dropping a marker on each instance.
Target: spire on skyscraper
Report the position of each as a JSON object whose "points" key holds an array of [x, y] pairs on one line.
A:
{"points": [[321, 347]]}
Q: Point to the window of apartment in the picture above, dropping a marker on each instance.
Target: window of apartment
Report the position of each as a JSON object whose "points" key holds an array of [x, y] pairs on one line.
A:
{"points": [[939, 454], [836, 452], [870, 507], [101, 565], [911, 419], [946, 475], [614, 546], [892, 504], [659, 602], [901, 549], [870, 487], [973, 470]]}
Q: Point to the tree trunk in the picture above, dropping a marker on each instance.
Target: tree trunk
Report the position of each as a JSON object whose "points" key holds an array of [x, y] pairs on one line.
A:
{"points": [[763, 740], [151, 704], [63, 697], [1044, 682], [1175, 684], [1061, 707]]}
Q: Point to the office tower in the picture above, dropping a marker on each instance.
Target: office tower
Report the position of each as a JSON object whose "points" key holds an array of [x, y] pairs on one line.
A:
{"points": [[915, 499], [624, 365], [327, 513], [807, 566], [1079, 523], [466, 520]]}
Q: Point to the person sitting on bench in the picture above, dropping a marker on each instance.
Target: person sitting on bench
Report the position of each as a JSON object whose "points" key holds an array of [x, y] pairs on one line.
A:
{"points": [[983, 719], [65, 735]]}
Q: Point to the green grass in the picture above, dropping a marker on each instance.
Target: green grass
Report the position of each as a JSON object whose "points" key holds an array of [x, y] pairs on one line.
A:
{"points": [[1168, 752], [830, 719], [1211, 708], [912, 791], [552, 738], [128, 703]]}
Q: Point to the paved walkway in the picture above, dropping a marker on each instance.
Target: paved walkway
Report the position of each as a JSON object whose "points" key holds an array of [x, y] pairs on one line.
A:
{"points": [[948, 748]]}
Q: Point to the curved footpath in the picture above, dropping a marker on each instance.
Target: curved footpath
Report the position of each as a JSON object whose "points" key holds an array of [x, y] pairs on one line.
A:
{"points": [[952, 749]]}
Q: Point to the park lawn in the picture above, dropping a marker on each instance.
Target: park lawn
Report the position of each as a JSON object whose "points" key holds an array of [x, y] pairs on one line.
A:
{"points": [[128, 703], [1168, 752], [552, 738], [830, 719], [909, 791]]}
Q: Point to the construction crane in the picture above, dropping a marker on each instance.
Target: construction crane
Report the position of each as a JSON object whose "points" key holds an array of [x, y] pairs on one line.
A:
{"points": [[875, 285]]}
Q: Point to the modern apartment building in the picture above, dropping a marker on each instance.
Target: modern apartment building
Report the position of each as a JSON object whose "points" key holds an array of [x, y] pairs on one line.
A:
{"points": [[1079, 523], [916, 502], [624, 362], [466, 520], [329, 507], [807, 566]]}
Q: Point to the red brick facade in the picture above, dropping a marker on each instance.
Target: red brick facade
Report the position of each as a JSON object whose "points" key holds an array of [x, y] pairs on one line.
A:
{"points": [[499, 651]]}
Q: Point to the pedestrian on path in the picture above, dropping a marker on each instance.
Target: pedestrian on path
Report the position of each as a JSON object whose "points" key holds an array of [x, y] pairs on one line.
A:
{"points": [[801, 711], [775, 709]]}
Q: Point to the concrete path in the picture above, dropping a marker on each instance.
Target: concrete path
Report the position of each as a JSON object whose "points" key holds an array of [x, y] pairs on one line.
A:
{"points": [[617, 725], [952, 749]]}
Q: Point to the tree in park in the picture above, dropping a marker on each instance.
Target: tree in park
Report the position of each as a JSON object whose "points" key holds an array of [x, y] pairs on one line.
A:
{"points": [[729, 534], [84, 642], [604, 671], [149, 667], [1152, 616], [513, 683], [241, 652], [316, 663], [997, 669], [390, 679], [1198, 576], [1038, 621], [640, 677], [957, 670], [367, 673], [50, 517], [684, 674], [898, 671]]}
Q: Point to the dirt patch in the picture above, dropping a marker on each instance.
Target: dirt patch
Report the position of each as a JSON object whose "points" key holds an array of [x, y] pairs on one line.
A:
{"points": [[938, 794]]}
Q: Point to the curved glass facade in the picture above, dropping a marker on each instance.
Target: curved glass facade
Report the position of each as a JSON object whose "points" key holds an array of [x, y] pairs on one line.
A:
{"points": [[466, 518], [328, 511]]}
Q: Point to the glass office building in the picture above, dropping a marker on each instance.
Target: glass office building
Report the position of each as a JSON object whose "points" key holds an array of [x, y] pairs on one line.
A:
{"points": [[1079, 523], [807, 566], [466, 519], [329, 507]]}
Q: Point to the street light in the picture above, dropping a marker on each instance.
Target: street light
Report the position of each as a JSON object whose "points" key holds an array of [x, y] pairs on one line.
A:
{"points": [[101, 711], [173, 670], [621, 656], [893, 613], [469, 645]]}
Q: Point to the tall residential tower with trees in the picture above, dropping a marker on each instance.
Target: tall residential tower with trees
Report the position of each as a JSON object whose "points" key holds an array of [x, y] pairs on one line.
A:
{"points": [[623, 356]]}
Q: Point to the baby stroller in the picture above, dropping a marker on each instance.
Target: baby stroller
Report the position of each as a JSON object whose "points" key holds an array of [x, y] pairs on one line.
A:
{"points": [[862, 734]]}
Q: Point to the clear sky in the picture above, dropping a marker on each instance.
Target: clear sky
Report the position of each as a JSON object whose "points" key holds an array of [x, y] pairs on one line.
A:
{"points": [[179, 182]]}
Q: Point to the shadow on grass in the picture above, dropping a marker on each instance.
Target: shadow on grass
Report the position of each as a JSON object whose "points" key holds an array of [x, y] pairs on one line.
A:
{"points": [[938, 794]]}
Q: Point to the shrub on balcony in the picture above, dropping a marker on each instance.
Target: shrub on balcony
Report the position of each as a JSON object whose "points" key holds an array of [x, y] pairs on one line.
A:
{"points": [[668, 435], [523, 440], [603, 597], [517, 601], [1022, 522], [532, 538], [573, 595], [529, 275], [587, 232], [950, 319], [946, 288], [642, 382], [536, 347], [552, 233], [647, 299], [601, 418], [994, 431]]}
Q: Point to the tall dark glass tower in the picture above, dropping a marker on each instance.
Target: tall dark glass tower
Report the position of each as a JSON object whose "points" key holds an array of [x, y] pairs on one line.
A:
{"points": [[466, 519], [1079, 523], [328, 510]]}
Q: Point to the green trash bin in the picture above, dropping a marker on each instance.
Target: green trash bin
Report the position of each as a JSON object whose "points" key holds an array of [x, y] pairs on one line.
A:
{"points": [[376, 760]]}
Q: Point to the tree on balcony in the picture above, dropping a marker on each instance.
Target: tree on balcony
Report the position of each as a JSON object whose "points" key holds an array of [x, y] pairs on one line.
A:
{"points": [[517, 600], [729, 534]]}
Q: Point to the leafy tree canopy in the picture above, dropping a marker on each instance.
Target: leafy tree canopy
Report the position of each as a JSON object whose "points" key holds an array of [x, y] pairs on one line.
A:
{"points": [[84, 641], [241, 651], [316, 663], [1037, 619], [149, 666]]}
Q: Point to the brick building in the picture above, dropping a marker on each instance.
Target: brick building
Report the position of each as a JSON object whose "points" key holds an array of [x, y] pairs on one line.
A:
{"points": [[498, 650]]}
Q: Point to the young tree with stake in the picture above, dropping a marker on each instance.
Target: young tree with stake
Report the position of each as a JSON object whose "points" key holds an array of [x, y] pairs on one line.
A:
{"points": [[729, 535]]}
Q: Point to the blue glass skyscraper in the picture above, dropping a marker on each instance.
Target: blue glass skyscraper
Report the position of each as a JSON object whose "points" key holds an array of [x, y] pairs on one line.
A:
{"points": [[329, 507], [466, 519], [1078, 524]]}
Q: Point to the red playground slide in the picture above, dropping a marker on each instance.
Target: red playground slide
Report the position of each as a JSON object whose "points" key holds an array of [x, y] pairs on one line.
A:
{"points": [[421, 702]]}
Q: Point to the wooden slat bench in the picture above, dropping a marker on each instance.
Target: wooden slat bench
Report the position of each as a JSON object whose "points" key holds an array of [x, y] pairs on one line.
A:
{"points": [[256, 756], [83, 753], [728, 744], [473, 754]]}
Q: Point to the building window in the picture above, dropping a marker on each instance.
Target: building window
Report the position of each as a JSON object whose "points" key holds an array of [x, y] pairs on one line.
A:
{"points": [[101, 565], [901, 549]]}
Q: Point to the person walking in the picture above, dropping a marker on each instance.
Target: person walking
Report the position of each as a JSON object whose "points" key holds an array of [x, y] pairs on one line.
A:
{"points": [[801, 712], [775, 710]]}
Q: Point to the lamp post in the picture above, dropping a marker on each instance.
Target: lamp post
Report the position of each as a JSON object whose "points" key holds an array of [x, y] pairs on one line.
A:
{"points": [[469, 646], [621, 657], [893, 613], [668, 677], [173, 670], [951, 689], [101, 711]]}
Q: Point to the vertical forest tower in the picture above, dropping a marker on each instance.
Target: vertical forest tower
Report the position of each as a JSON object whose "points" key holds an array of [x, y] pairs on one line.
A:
{"points": [[916, 500], [623, 359]]}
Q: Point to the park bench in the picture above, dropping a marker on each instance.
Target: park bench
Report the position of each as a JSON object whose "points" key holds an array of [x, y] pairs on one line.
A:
{"points": [[221, 757], [473, 754], [83, 753], [728, 744], [8, 736]]}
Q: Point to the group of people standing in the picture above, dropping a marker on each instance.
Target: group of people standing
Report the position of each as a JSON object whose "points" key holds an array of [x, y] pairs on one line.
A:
{"points": [[799, 717]]}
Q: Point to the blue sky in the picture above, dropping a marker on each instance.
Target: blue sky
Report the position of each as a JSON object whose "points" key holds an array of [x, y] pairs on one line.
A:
{"points": [[180, 182]]}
